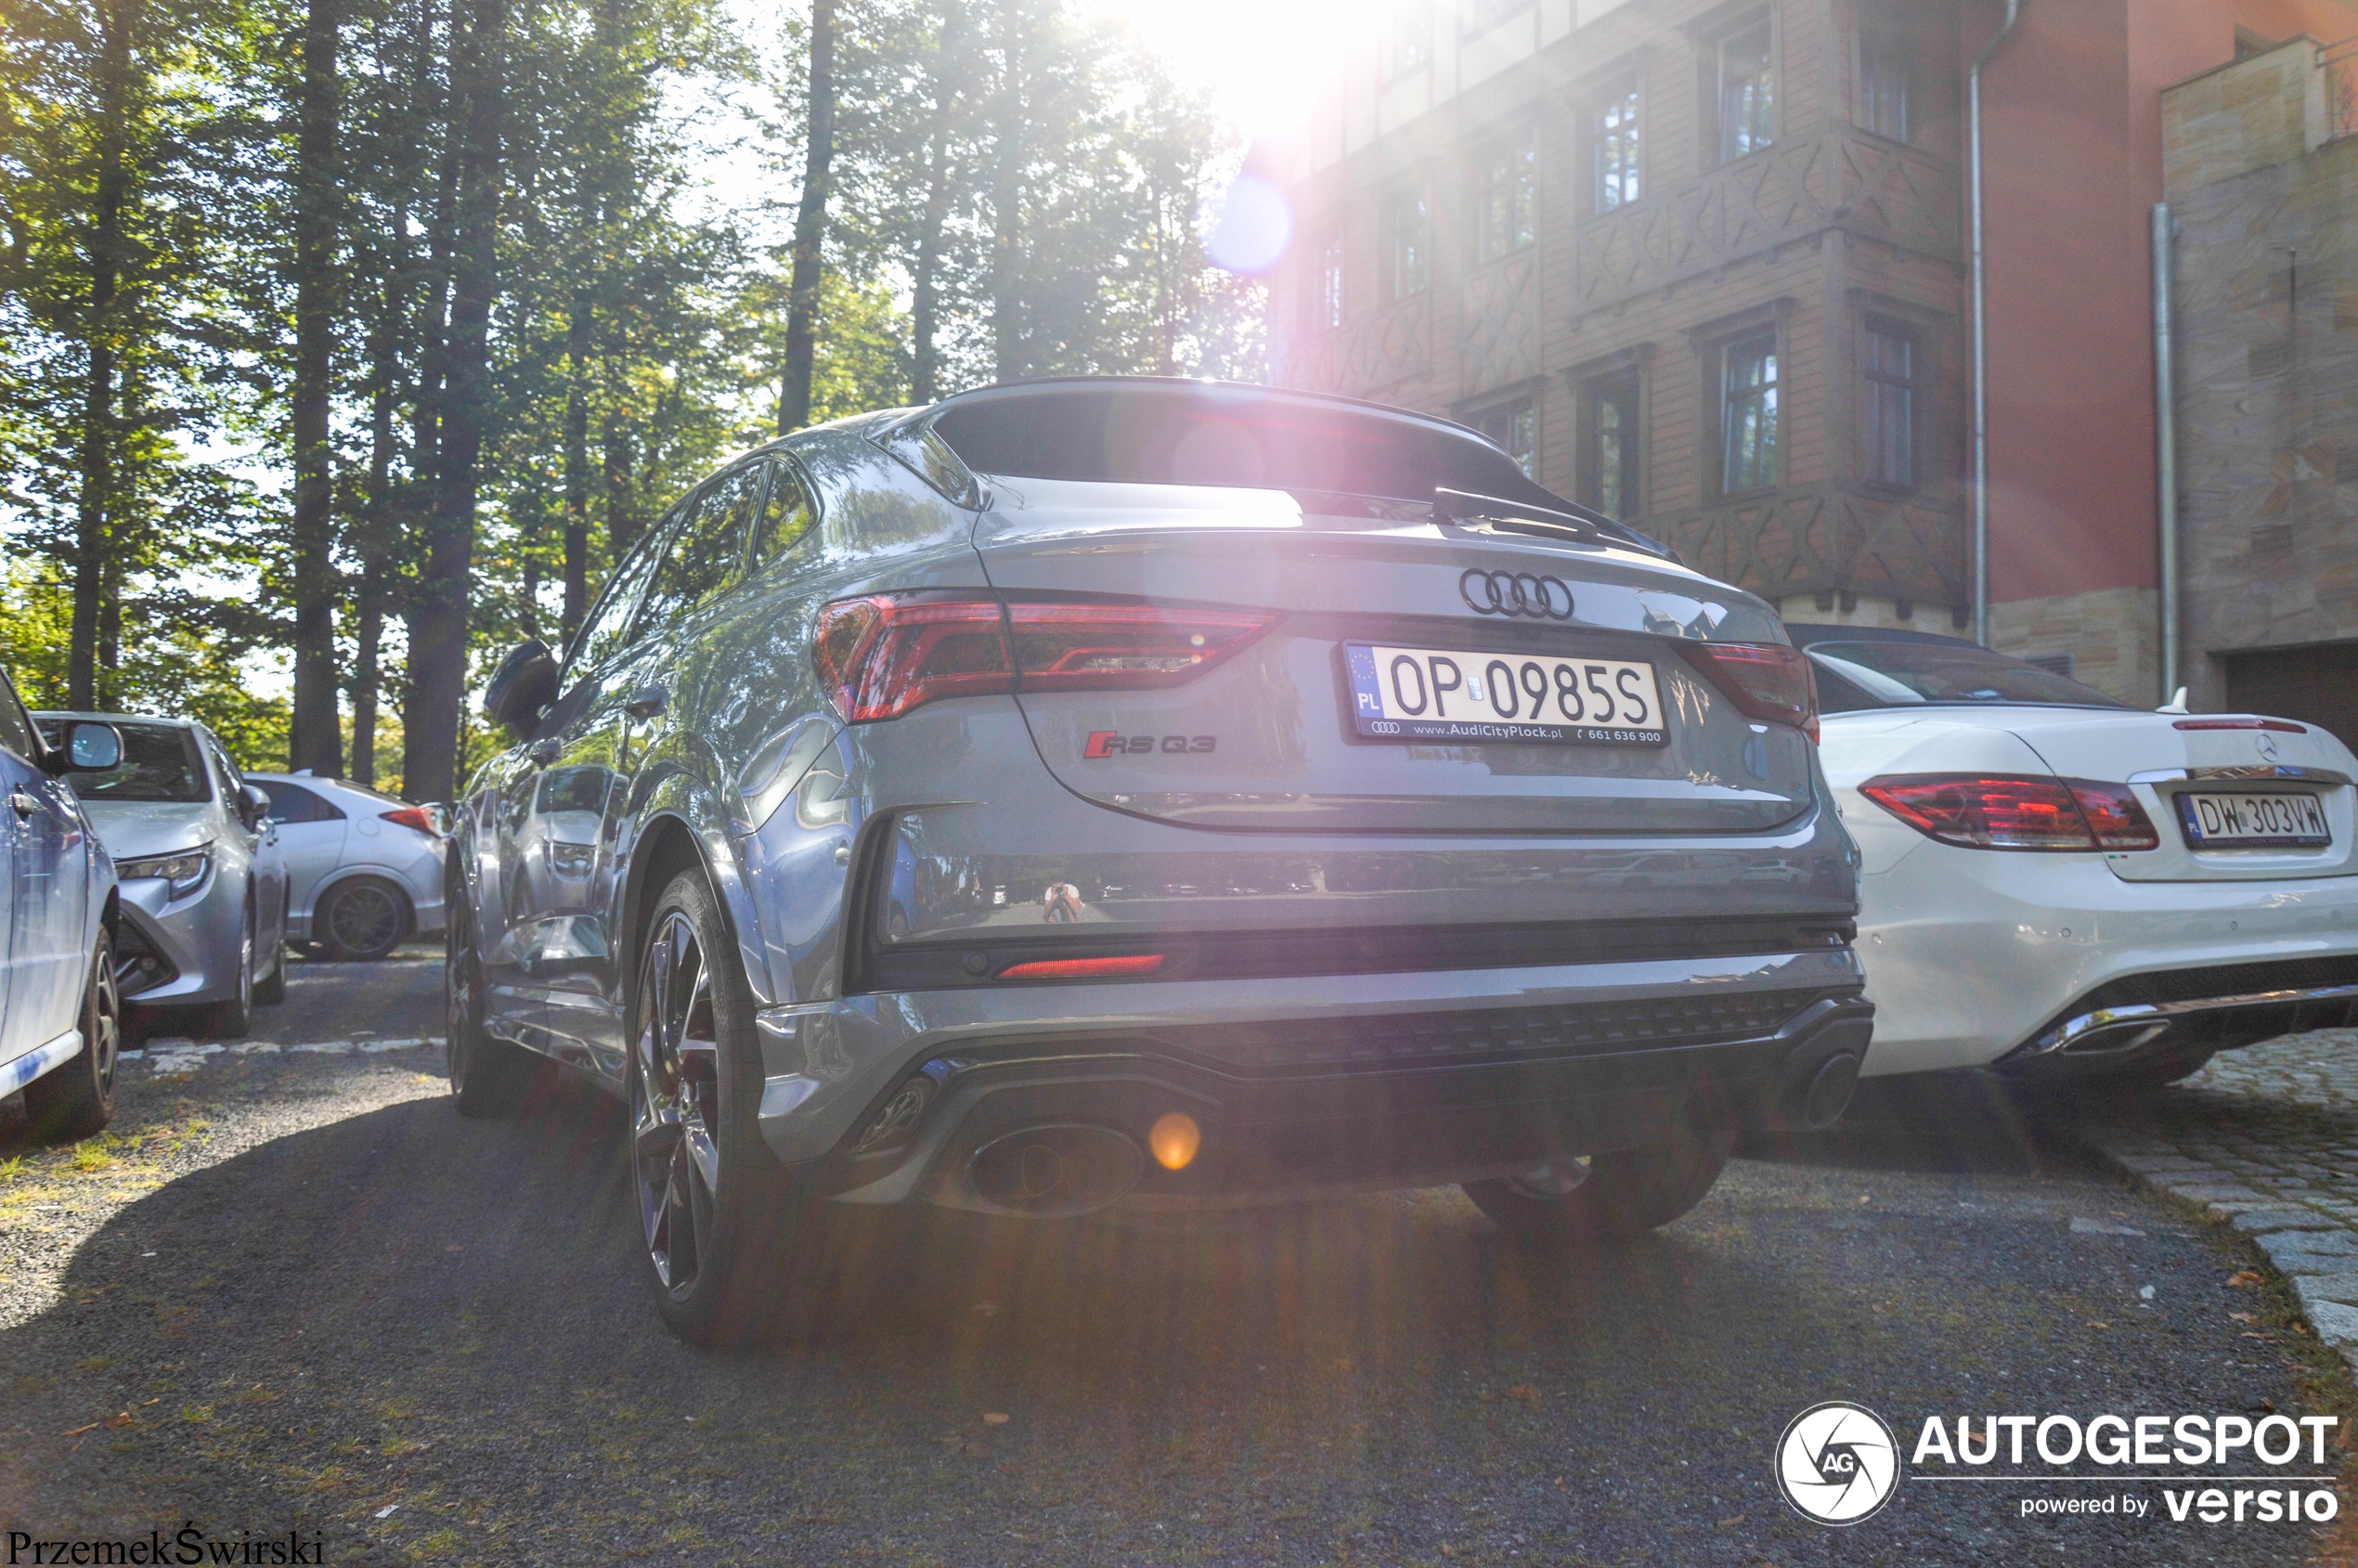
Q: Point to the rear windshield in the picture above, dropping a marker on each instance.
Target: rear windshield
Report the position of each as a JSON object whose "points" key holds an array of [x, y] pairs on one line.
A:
{"points": [[1224, 436], [1859, 675], [160, 762]]}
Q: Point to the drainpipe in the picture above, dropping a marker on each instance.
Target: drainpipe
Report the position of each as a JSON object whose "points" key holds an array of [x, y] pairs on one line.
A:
{"points": [[2165, 441], [1980, 365]]}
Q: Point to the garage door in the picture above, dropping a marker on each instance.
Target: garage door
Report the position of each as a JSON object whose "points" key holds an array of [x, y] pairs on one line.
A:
{"points": [[2317, 684]]}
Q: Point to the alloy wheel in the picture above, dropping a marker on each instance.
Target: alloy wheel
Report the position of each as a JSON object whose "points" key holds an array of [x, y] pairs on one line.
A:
{"points": [[458, 997], [106, 1039], [363, 918], [675, 1105]]}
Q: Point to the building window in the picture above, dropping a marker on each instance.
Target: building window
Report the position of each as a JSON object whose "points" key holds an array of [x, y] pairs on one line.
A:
{"points": [[1411, 40], [1411, 226], [1882, 86], [1610, 453], [1888, 398], [1747, 92], [1614, 135], [1515, 428], [1326, 285], [1748, 413], [1490, 13], [1507, 199]]}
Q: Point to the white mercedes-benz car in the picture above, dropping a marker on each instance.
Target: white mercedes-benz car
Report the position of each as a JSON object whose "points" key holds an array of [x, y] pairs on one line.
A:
{"points": [[2057, 883]]}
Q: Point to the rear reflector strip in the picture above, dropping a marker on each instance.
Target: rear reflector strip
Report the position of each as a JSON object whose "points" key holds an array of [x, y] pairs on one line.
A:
{"points": [[2282, 726], [1083, 968]]}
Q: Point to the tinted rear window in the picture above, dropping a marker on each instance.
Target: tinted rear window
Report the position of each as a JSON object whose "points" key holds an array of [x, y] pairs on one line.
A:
{"points": [[160, 762], [1862, 674], [293, 803], [1226, 437]]}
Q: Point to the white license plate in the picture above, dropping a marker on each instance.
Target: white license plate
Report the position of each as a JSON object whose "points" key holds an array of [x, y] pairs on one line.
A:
{"points": [[2241, 821], [1471, 696]]}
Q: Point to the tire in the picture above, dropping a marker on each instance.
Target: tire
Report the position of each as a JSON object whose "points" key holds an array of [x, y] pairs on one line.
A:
{"points": [[488, 1077], [717, 1213], [77, 1098], [233, 1019], [271, 988], [362, 920], [1623, 1193]]}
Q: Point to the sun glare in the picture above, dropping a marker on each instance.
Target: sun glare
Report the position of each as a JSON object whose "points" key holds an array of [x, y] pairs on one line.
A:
{"points": [[1263, 61]]}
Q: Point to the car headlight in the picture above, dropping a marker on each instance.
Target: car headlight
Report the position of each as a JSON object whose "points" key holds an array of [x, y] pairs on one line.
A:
{"points": [[183, 871]]}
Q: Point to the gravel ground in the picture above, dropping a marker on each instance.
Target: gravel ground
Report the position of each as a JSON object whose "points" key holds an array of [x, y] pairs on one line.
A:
{"points": [[307, 1297]]}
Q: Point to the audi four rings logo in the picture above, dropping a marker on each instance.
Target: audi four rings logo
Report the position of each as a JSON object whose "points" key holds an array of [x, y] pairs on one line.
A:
{"points": [[1516, 593]]}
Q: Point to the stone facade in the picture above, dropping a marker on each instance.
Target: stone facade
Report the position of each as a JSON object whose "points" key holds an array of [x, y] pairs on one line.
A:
{"points": [[2266, 314], [1836, 217]]}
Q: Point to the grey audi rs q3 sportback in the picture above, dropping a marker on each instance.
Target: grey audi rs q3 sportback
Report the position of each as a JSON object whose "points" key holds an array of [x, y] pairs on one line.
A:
{"points": [[1096, 792]]}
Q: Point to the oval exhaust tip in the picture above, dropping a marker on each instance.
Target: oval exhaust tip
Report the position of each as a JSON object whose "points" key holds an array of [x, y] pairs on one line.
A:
{"points": [[1055, 1170], [1829, 1093]]}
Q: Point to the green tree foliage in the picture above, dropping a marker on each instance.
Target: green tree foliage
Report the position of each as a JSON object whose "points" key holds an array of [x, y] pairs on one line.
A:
{"points": [[479, 228]]}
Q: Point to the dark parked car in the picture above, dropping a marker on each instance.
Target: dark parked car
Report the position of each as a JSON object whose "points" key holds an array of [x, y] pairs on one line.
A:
{"points": [[1157, 635]]}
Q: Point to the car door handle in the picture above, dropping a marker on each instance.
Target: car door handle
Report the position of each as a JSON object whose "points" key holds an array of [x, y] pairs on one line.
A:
{"points": [[647, 702], [23, 803]]}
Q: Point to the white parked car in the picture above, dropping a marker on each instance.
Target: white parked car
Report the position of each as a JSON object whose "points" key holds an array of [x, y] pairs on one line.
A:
{"points": [[2057, 883], [364, 869]]}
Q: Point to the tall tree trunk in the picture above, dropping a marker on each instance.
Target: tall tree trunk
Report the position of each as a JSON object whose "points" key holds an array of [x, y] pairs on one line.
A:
{"points": [[437, 617], [622, 515], [925, 309], [313, 740], [577, 546], [811, 223], [1007, 200], [94, 503]]}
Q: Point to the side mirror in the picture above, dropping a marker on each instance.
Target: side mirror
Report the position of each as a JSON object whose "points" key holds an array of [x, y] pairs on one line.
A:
{"points": [[91, 747], [253, 808], [523, 688]]}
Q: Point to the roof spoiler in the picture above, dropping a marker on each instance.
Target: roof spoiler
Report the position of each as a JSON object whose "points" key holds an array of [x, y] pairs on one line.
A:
{"points": [[1543, 522]]}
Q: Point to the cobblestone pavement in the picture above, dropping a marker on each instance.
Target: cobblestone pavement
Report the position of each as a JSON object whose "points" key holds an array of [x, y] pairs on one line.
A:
{"points": [[2267, 1139]]}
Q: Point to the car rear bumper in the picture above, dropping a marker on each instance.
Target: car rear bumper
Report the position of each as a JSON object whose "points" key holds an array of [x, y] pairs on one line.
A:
{"points": [[1301, 1081], [2177, 1011], [1972, 954]]}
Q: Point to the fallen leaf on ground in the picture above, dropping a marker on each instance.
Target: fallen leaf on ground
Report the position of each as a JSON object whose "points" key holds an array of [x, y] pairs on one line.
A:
{"points": [[2243, 1278], [995, 1418], [1526, 1393], [1343, 1364], [1730, 1523], [2243, 1318], [78, 1430], [120, 1419]]}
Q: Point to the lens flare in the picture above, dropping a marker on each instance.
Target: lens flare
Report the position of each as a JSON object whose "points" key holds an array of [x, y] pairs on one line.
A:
{"points": [[1247, 229]]}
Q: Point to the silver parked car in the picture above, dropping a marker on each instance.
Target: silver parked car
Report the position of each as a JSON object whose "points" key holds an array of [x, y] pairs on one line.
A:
{"points": [[203, 888], [61, 1015], [364, 869], [1150, 792]]}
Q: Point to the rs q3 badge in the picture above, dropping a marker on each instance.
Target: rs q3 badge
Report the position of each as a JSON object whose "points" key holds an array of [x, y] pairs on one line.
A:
{"points": [[1113, 742]]}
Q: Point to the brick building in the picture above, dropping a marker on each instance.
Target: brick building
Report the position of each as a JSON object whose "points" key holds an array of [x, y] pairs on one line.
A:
{"points": [[2261, 174], [1704, 263]]}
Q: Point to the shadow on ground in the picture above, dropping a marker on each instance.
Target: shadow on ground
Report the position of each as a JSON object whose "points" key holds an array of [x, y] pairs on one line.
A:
{"points": [[406, 1312]]}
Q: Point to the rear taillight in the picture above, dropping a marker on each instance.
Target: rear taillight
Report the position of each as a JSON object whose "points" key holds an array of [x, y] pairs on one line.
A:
{"points": [[416, 818], [1767, 680], [886, 653], [2005, 811], [2114, 815]]}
